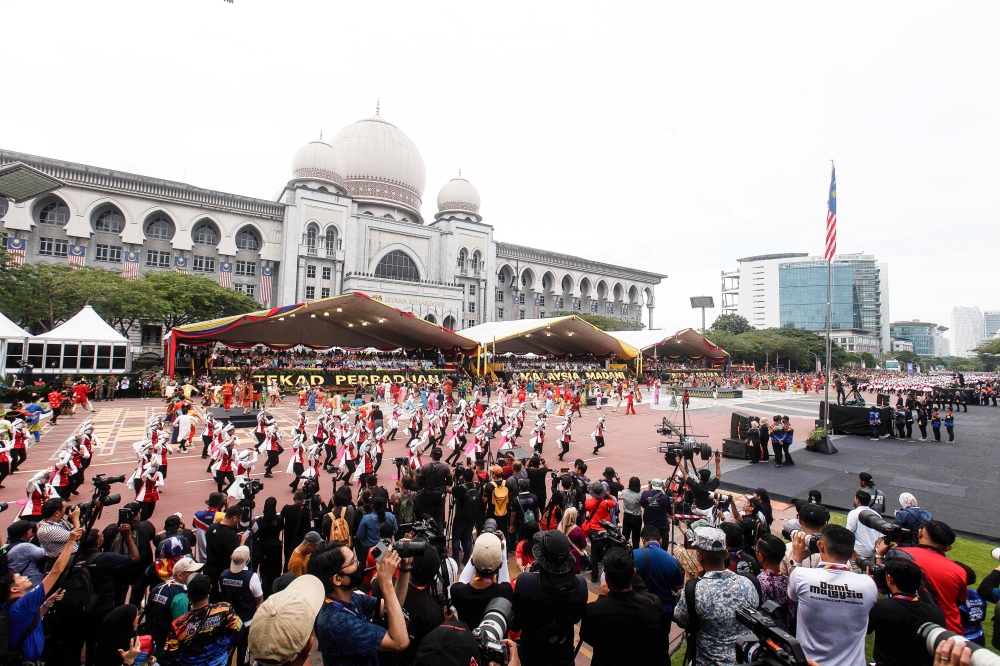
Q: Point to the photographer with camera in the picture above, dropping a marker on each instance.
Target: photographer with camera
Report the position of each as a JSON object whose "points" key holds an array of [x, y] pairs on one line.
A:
{"points": [[434, 482], [813, 518], [864, 536], [833, 601], [424, 610], [470, 595], [345, 627], [707, 608], [701, 487], [622, 625], [454, 644], [896, 619], [599, 508], [946, 580], [221, 540], [54, 529], [467, 505]]}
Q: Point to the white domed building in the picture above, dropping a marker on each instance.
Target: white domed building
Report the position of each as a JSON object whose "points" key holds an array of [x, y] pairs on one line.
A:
{"points": [[350, 218]]}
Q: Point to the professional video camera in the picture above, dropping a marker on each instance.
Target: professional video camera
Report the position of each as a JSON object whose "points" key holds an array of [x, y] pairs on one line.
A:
{"points": [[404, 548], [310, 485], [872, 519], [399, 462], [667, 428], [613, 535], [426, 528], [492, 629], [252, 487], [102, 497], [687, 450], [812, 540], [770, 645], [932, 634]]}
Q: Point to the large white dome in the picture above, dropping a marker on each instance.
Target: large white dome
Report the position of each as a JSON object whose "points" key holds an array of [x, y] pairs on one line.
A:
{"points": [[458, 195], [382, 163], [317, 160]]}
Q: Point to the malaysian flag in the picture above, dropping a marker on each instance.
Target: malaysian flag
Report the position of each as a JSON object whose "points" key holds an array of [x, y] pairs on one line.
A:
{"points": [[625, 310], [180, 264], [76, 255], [593, 307], [225, 274], [610, 309], [831, 217], [15, 251], [265, 284], [557, 302], [577, 305], [130, 265], [539, 302]]}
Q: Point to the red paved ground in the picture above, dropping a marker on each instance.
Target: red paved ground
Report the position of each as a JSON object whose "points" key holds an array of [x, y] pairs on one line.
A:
{"points": [[631, 449]]}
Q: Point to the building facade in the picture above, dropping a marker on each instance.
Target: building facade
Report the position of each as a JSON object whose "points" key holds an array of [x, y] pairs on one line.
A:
{"points": [[350, 218], [790, 290], [927, 338], [967, 330], [991, 323], [856, 340]]}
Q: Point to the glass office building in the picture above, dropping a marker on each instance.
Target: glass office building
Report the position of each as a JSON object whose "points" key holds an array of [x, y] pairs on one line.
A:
{"points": [[857, 294], [926, 337]]}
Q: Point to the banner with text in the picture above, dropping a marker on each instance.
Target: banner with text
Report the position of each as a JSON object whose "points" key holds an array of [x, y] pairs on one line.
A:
{"points": [[565, 376], [349, 378]]}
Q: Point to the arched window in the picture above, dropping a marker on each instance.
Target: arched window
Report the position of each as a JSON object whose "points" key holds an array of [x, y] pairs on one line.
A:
{"points": [[430, 318], [55, 213], [205, 234], [398, 266], [331, 238], [160, 228], [477, 259], [247, 239], [312, 231], [449, 322], [109, 221], [463, 256]]}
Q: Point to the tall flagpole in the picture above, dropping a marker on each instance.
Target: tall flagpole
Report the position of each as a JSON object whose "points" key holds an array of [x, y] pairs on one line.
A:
{"points": [[830, 251]]}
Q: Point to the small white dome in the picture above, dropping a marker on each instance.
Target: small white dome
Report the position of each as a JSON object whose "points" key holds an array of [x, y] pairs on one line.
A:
{"points": [[382, 164], [458, 195], [317, 160]]}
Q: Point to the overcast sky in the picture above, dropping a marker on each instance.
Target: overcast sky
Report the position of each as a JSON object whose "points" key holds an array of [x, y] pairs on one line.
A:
{"points": [[672, 137]]}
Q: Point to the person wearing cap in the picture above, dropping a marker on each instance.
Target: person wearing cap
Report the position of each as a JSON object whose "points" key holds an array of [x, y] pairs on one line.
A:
{"points": [[298, 563], [711, 624], [485, 578], [206, 634], [877, 502], [812, 518], [168, 601], [173, 526], [204, 519], [281, 633], [864, 536], [239, 586], [549, 602], [600, 508]]}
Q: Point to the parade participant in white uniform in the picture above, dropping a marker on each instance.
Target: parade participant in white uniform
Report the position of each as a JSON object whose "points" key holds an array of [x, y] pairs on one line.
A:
{"points": [[79, 454], [208, 434], [378, 447], [263, 421], [161, 449], [598, 435], [348, 455], [457, 442], [272, 444], [149, 492], [303, 421], [38, 490], [566, 433], [63, 470], [413, 453], [89, 441], [223, 466], [297, 461], [537, 436], [242, 467], [322, 423], [393, 423], [506, 437], [6, 446]]}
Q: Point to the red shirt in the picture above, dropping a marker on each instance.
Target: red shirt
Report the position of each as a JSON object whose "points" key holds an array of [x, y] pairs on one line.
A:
{"points": [[946, 579], [55, 399], [598, 510], [80, 392]]}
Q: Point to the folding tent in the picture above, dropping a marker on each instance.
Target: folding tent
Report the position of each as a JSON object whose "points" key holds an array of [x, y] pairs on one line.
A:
{"points": [[85, 344]]}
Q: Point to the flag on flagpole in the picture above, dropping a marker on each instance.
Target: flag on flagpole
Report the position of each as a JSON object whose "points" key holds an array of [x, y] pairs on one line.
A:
{"points": [[77, 255], [225, 274], [831, 218], [265, 284], [130, 265], [15, 250]]}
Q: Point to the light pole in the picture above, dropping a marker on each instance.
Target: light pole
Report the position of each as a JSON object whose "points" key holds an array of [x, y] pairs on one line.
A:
{"points": [[702, 302]]}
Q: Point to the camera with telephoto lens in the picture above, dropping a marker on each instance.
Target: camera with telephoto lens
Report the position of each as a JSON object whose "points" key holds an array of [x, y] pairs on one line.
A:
{"points": [[770, 645], [3, 506], [613, 535], [310, 485], [404, 548], [722, 498], [875, 570], [254, 486], [687, 450], [492, 629], [399, 462], [490, 526], [812, 540], [425, 528], [932, 634], [873, 520], [102, 497]]}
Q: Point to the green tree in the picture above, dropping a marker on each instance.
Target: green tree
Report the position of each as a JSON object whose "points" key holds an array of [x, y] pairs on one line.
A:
{"points": [[964, 364], [124, 304], [731, 323], [603, 323], [869, 359], [988, 353], [189, 299], [905, 357], [42, 296]]}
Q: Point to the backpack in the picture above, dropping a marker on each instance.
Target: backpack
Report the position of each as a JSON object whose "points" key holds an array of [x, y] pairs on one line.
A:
{"points": [[407, 511], [339, 529], [501, 496], [551, 521], [530, 519], [80, 596]]}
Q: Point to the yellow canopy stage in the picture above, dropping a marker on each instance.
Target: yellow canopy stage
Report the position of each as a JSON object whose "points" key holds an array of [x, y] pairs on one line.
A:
{"points": [[350, 321], [687, 343], [556, 336]]}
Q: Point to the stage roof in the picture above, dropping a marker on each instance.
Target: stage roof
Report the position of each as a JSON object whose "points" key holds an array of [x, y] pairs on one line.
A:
{"points": [[687, 343], [556, 335], [351, 321]]}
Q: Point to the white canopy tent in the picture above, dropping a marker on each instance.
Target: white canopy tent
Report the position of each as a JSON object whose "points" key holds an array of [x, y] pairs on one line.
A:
{"points": [[12, 339], [85, 344]]}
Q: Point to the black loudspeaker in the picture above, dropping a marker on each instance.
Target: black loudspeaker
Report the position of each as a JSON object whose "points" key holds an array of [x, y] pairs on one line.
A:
{"points": [[882, 400], [736, 448], [739, 425], [824, 446]]}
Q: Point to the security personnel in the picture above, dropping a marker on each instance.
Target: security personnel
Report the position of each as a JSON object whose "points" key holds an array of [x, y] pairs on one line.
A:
{"points": [[241, 589]]}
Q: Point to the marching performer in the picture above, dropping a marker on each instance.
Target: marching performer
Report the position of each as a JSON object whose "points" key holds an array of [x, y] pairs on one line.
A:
{"points": [[303, 421], [161, 449], [38, 490], [90, 440], [413, 453], [19, 433], [457, 442], [537, 436], [263, 421], [208, 435], [6, 446], [297, 462], [393, 423], [149, 492], [79, 454], [224, 464], [63, 470], [598, 435], [348, 455], [272, 444], [319, 434], [566, 430], [241, 472], [378, 446]]}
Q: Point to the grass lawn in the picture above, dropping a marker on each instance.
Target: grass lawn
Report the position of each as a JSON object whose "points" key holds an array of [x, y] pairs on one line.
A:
{"points": [[975, 554]]}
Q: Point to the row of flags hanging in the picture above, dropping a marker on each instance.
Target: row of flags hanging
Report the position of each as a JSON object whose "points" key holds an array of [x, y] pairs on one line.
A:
{"points": [[76, 255]]}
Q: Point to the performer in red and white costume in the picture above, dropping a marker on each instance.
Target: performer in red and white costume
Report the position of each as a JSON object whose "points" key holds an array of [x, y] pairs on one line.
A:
{"points": [[242, 466], [348, 454], [6, 446], [90, 440], [19, 433], [378, 447], [303, 421], [208, 434], [566, 433], [272, 444], [297, 461], [160, 452], [79, 454], [457, 441], [413, 453], [537, 436], [149, 493], [223, 466], [393, 423], [598, 435], [263, 421], [63, 470], [38, 490]]}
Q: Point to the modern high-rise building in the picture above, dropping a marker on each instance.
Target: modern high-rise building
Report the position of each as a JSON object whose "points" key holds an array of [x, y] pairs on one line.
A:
{"points": [[991, 322], [967, 326], [927, 338], [790, 289]]}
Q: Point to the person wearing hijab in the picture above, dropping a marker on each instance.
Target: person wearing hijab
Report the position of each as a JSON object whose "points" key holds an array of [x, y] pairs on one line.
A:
{"points": [[114, 636], [765, 504], [910, 517]]}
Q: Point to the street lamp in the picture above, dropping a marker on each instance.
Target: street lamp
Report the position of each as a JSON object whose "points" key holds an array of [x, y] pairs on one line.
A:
{"points": [[702, 302]]}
